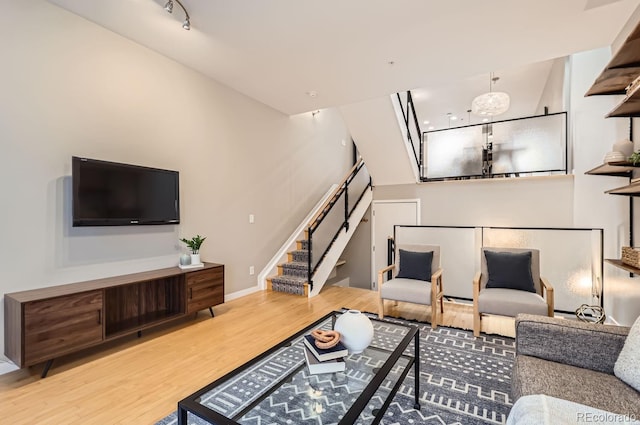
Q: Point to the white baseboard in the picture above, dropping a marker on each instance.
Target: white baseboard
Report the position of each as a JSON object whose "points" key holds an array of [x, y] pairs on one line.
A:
{"points": [[242, 293], [6, 367]]}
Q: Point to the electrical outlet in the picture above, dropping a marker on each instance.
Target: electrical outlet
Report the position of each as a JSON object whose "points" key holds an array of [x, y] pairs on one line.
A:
{"points": [[251, 218], [252, 271]]}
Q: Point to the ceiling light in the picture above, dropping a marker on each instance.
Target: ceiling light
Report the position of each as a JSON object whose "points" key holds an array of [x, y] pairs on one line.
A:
{"points": [[425, 122], [485, 119], [431, 127], [491, 103], [453, 118], [186, 24]]}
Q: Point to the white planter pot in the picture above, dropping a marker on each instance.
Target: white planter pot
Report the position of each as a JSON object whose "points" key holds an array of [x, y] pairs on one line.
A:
{"points": [[195, 259], [356, 330]]}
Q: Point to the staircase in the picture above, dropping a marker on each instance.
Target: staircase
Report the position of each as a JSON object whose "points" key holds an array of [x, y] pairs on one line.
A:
{"points": [[293, 275], [303, 265]]}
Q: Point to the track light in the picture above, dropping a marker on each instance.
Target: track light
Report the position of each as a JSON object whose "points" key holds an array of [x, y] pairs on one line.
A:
{"points": [[187, 20]]}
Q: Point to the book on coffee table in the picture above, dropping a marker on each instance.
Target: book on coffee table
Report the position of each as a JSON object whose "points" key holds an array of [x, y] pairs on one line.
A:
{"points": [[321, 354], [329, 366]]}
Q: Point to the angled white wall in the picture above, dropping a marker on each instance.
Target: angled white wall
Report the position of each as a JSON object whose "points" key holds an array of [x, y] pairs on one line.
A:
{"points": [[375, 129]]}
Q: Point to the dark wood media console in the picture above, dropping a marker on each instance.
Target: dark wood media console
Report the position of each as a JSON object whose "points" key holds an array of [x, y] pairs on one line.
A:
{"points": [[42, 324]]}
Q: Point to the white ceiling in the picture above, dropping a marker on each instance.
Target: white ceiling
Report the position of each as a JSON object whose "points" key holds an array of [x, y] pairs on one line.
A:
{"points": [[276, 51], [524, 85]]}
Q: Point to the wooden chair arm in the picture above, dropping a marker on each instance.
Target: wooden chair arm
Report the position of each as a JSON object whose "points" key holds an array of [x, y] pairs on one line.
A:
{"points": [[436, 275], [476, 281], [437, 291], [476, 286], [381, 274], [547, 292]]}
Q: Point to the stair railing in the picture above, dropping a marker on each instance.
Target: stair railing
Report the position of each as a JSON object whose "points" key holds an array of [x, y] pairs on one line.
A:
{"points": [[414, 134], [333, 217]]}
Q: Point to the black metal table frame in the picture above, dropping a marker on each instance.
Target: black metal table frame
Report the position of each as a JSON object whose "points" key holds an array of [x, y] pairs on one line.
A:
{"points": [[190, 403]]}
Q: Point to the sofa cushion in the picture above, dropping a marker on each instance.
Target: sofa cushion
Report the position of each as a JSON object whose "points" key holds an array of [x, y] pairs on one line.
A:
{"points": [[627, 366], [415, 265], [540, 409], [509, 270], [408, 290], [510, 302], [532, 375]]}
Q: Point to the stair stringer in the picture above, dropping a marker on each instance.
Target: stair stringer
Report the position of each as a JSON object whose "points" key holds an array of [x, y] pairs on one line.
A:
{"points": [[290, 245], [333, 255]]}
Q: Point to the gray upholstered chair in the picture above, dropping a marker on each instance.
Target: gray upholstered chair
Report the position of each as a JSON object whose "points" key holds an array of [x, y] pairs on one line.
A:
{"points": [[414, 279], [515, 285]]}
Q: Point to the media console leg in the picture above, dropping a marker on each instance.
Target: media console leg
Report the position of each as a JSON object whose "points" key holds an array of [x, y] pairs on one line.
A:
{"points": [[211, 311], [139, 334], [47, 366]]}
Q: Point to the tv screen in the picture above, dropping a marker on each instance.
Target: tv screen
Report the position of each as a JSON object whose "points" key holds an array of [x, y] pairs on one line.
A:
{"points": [[113, 194]]}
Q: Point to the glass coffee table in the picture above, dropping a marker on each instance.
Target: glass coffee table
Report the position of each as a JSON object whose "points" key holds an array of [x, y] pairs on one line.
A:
{"points": [[277, 388]]}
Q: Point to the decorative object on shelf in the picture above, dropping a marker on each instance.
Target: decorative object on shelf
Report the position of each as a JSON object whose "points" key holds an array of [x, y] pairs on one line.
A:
{"points": [[591, 313], [492, 103], [191, 266], [635, 158], [186, 24], [194, 245], [625, 147], [356, 330], [631, 256], [185, 260], [614, 157]]}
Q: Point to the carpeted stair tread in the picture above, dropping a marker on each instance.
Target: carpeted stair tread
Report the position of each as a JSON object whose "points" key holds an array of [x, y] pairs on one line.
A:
{"points": [[295, 265], [299, 255], [291, 280]]}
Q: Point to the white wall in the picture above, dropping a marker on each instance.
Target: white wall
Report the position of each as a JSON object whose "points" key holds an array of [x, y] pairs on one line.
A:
{"points": [[593, 137], [70, 87], [551, 96], [526, 202]]}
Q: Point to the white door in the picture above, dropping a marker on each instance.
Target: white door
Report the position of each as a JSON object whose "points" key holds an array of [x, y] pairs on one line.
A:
{"points": [[384, 215]]}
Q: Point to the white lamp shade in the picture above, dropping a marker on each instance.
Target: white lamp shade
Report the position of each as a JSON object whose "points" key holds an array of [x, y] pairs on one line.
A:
{"points": [[490, 104]]}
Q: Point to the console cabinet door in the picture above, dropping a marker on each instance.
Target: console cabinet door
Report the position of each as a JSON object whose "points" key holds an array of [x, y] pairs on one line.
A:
{"points": [[56, 326], [205, 289]]}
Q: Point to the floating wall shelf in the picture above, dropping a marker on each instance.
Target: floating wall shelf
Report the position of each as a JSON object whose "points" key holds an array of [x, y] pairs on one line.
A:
{"points": [[615, 169]]}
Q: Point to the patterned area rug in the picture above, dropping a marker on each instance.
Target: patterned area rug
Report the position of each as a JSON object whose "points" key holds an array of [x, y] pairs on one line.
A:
{"points": [[463, 380]]}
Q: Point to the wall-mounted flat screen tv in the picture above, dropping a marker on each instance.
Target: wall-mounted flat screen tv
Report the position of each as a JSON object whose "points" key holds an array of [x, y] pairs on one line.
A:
{"points": [[113, 194]]}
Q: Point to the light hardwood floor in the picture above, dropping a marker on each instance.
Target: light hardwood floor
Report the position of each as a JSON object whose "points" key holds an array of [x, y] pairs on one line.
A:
{"points": [[139, 381]]}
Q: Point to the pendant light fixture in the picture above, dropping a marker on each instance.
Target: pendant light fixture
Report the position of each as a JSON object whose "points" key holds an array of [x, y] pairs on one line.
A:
{"points": [[492, 103]]}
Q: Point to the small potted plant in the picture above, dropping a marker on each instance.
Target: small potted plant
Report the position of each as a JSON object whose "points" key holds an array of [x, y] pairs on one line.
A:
{"points": [[194, 245]]}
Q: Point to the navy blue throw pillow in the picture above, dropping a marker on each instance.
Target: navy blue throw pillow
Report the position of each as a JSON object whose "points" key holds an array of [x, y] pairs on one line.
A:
{"points": [[415, 265], [509, 270]]}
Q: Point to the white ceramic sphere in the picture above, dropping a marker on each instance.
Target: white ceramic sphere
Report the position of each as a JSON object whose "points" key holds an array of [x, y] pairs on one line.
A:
{"points": [[356, 330]]}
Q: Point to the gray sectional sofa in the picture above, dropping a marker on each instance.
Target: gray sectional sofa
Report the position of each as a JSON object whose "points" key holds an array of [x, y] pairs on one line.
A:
{"points": [[567, 363]]}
